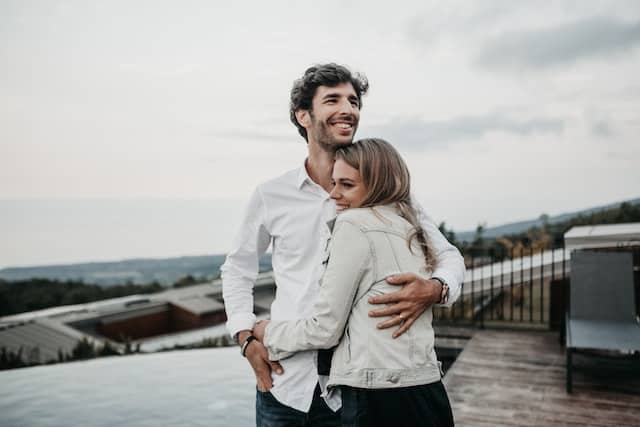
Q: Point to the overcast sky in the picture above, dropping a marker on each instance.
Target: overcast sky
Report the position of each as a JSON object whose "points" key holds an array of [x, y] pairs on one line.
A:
{"points": [[503, 109]]}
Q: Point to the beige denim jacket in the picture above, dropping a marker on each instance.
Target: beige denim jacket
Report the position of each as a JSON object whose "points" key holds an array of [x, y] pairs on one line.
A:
{"points": [[367, 245]]}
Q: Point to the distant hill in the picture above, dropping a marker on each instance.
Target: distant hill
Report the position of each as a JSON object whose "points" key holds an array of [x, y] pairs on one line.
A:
{"points": [[168, 271], [521, 226], [138, 271]]}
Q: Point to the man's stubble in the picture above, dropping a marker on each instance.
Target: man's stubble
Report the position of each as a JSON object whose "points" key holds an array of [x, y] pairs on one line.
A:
{"points": [[323, 138]]}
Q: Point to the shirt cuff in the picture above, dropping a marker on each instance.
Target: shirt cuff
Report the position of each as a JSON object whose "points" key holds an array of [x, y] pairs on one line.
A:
{"points": [[240, 322]]}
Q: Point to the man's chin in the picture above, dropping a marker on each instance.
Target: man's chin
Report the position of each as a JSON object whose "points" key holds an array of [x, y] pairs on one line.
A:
{"points": [[334, 144], [343, 142]]}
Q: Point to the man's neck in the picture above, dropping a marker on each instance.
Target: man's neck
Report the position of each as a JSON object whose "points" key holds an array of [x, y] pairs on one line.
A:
{"points": [[319, 166]]}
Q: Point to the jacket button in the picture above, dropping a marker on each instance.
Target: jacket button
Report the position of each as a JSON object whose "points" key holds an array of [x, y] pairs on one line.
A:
{"points": [[394, 378]]}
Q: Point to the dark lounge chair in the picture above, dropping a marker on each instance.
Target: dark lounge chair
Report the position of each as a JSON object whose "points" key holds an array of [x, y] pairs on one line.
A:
{"points": [[602, 312]]}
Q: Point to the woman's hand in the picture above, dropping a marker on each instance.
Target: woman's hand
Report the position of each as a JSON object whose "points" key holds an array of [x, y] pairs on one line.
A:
{"points": [[259, 328]]}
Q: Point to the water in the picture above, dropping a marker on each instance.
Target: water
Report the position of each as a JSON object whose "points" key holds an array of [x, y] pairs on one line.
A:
{"points": [[207, 387]]}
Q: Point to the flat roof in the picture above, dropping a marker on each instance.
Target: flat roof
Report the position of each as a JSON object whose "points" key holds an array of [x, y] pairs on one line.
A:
{"points": [[199, 305], [602, 236]]}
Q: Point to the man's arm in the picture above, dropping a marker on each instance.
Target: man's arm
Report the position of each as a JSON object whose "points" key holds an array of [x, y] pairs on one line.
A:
{"points": [[419, 294], [239, 274]]}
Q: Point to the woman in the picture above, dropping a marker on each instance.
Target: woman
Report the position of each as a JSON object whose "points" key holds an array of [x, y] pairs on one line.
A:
{"points": [[383, 381]]}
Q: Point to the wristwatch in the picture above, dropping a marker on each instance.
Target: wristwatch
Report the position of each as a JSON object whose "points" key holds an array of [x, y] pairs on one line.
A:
{"points": [[243, 349], [444, 293]]}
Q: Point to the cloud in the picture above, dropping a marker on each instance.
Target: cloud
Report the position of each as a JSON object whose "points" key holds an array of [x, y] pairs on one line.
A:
{"points": [[601, 129], [423, 134], [255, 135], [454, 19], [592, 37]]}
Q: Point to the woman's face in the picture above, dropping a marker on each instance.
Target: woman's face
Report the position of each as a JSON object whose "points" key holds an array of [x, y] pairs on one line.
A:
{"points": [[348, 189]]}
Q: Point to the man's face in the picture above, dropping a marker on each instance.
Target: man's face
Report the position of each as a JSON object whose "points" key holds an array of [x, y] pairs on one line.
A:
{"points": [[333, 119]]}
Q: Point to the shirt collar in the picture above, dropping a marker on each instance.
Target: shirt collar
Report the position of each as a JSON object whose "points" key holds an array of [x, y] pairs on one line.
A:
{"points": [[303, 176]]}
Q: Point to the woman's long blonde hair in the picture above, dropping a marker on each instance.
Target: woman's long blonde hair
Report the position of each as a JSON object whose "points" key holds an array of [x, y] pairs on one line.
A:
{"points": [[387, 179]]}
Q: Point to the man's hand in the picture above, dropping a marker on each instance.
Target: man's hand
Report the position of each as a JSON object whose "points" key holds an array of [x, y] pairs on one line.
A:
{"points": [[259, 328], [259, 360], [408, 303]]}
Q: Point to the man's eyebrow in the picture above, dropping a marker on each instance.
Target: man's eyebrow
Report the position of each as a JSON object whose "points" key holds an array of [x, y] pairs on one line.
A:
{"points": [[331, 95]]}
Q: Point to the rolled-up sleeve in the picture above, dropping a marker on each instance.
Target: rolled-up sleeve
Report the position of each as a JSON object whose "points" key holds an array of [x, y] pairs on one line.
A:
{"points": [[349, 256], [241, 267], [450, 263]]}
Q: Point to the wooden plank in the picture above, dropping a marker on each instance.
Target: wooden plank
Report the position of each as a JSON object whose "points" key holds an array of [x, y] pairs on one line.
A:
{"points": [[507, 378]]}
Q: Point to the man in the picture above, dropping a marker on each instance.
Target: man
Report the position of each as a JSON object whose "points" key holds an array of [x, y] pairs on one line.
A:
{"points": [[290, 212]]}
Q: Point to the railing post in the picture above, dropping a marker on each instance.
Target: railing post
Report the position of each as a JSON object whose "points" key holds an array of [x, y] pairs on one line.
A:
{"points": [[502, 286], [531, 284], [473, 290], [521, 283], [542, 286], [491, 301], [511, 285], [482, 301]]}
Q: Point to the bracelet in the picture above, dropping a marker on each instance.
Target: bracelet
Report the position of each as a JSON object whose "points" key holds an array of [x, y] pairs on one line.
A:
{"points": [[245, 344], [444, 292]]}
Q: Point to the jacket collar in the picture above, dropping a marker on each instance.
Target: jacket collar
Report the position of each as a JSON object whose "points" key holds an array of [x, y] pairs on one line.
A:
{"points": [[389, 209]]}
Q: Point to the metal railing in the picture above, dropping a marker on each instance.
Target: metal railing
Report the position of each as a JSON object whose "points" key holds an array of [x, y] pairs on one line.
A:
{"points": [[508, 289]]}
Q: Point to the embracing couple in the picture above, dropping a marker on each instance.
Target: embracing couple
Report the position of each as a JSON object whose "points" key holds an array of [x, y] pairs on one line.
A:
{"points": [[350, 246]]}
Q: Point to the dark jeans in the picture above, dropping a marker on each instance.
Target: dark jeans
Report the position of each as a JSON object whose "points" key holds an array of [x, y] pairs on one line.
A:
{"points": [[271, 413], [423, 405]]}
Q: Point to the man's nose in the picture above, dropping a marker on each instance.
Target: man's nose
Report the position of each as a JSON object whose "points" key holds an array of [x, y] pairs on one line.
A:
{"points": [[346, 106]]}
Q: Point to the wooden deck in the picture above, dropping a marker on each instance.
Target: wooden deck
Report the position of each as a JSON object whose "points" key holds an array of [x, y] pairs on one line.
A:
{"points": [[505, 378]]}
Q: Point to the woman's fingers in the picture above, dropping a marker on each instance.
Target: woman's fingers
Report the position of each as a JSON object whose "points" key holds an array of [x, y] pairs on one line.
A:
{"points": [[276, 367]]}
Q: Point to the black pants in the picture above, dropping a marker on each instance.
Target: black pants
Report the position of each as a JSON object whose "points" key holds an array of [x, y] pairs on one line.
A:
{"points": [[423, 405]]}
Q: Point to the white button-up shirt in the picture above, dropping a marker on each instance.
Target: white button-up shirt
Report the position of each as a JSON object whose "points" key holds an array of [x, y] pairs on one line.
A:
{"points": [[291, 213]]}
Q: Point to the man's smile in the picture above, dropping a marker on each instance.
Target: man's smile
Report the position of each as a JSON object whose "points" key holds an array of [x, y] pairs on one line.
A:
{"points": [[344, 125]]}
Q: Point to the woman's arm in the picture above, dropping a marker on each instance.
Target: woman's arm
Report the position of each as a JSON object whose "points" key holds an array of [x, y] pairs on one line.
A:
{"points": [[349, 256]]}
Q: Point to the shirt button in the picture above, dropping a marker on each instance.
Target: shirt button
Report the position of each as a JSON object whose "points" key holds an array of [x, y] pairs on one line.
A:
{"points": [[393, 378]]}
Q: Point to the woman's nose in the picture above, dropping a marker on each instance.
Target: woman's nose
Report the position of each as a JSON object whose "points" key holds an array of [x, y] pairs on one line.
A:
{"points": [[334, 194]]}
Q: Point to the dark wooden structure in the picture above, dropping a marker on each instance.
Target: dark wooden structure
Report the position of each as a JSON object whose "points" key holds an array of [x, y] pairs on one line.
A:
{"points": [[517, 378]]}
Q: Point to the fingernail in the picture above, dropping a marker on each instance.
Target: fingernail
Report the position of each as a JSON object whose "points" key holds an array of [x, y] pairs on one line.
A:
{"points": [[279, 371]]}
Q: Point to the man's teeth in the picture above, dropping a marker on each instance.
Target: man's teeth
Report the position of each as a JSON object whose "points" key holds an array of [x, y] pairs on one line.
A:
{"points": [[344, 125]]}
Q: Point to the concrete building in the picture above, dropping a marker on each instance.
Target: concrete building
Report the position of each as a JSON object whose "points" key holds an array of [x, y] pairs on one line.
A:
{"points": [[175, 317]]}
